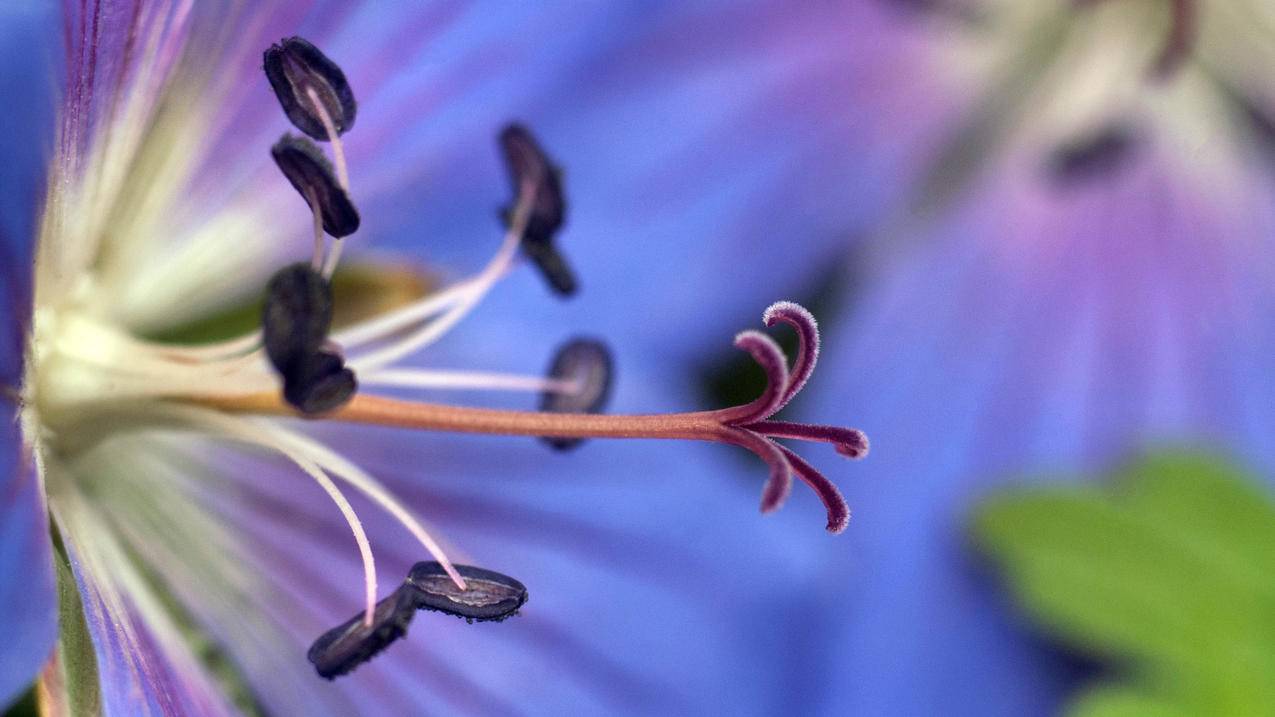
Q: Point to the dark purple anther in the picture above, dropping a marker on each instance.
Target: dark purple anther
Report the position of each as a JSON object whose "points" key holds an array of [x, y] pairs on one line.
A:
{"points": [[297, 315], [489, 595], [310, 173], [318, 383], [1098, 155], [538, 184], [294, 67], [587, 364], [344, 648]]}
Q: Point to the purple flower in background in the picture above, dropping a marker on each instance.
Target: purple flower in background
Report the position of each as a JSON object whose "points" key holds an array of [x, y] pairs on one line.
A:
{"points": [[1084, 272], [196, 558]]}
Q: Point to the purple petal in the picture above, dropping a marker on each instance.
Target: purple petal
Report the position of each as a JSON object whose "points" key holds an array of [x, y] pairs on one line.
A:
{"points": [[696, 139], [139, 673], [1039, 327]]}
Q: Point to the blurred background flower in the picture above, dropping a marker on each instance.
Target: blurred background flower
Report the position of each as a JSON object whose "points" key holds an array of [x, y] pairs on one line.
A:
{"points": [[1037, 233], [1083, 275]]}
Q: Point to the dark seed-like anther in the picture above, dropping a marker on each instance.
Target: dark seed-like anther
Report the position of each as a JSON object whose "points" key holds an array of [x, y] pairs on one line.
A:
{"points": [[529, 167], [1093, 157], [587, 364], [490, 595], [318, 383], [310, 173], [297, 315], [344, 648], [294, 67], [553, 267]]}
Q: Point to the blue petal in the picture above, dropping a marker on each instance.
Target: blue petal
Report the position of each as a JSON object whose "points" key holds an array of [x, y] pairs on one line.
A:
{"points": [[26, 582], [715, 156]]}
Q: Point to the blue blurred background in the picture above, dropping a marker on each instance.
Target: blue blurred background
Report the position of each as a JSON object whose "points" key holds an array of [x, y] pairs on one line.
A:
{"points": [[1037, 236]]}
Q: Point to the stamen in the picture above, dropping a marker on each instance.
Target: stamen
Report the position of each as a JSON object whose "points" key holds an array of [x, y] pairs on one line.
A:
{"points": [[343, 648], [531, 171], [356, 527], [342, 173], [319, 383], [585, 364], [490, 596], [486, 279], [297, 315], [295, 322], [466, 380], [311, 174], [316, 257], [230, 348], [362, 481], [334, 138], [1095, 156], [382, 327], [307, 83]]}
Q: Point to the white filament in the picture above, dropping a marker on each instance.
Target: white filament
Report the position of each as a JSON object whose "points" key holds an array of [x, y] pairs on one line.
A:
{"points": [[483, 283], [477, 380], [363, 482], [250, 432]]}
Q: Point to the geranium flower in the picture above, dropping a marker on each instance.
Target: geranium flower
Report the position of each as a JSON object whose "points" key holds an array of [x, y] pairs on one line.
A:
{"points": [[1085, 275], [193, 560]]}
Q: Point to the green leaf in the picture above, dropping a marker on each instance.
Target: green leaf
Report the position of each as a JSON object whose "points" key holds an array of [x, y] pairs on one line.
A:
{"points": [[76, 658], [1122, 702], [1169, 573]]}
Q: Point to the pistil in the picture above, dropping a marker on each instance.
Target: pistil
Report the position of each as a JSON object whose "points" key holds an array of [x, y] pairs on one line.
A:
{"points": [[748, 425]]}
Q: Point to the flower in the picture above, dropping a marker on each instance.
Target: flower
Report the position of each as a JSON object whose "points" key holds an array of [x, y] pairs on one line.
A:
{"points": [[182, 589], [1084, 276]]}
